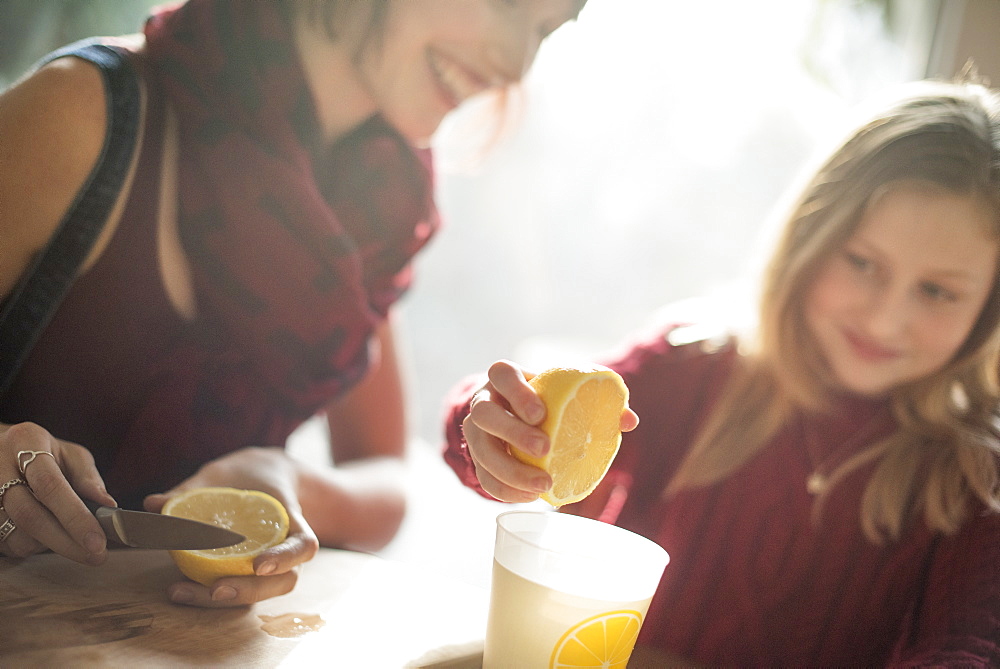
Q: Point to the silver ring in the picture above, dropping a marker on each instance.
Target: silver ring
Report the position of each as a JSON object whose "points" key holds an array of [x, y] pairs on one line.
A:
{"points": [[7, 486], [6, 529], [22, 462]]}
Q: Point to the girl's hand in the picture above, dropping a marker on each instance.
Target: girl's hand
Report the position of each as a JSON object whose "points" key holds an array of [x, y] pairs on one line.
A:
{"points": [[46, 510], [269, 470], [504, 415]]}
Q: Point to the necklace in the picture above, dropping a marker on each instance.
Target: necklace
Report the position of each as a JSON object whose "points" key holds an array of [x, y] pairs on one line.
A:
{"points": [[823, 475]]}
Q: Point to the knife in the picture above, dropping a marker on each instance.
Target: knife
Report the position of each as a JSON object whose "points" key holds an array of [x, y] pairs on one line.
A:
{"points": [[141, 529]]}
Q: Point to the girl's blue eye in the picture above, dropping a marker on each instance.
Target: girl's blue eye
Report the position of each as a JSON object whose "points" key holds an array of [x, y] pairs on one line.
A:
{"points": [[937, 292], [858, 262]]}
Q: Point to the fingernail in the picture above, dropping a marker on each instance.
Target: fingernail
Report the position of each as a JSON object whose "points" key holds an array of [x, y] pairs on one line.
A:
{"points": [[535, 414], [94, 543], [541, 484], [182, 595], [97, 559], [223, 594], [266, 568], [538, 446]]}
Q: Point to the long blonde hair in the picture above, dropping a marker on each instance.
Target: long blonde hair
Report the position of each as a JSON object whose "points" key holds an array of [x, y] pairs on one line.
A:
{"points": [[944, 455]]}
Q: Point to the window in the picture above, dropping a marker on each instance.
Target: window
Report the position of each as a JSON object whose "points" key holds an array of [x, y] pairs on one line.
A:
{"points": [[656, 139]]}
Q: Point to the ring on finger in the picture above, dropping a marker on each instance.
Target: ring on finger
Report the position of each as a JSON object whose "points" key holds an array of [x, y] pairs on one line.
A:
{"points": [[25, 458], [7, 486], [5, 529]]}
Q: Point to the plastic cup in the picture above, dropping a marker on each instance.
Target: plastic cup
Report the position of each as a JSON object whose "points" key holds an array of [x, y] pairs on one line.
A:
{"points": [[567, 591]]}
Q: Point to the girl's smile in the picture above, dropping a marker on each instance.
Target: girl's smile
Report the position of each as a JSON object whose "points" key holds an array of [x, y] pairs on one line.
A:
{"points": [[869, 349]]}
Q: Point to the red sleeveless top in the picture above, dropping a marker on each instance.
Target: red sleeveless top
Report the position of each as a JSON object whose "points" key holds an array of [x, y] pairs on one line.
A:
{"points": [[277, 335]]}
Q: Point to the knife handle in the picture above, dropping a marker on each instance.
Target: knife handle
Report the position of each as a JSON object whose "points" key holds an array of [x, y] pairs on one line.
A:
{"points": [[99, 510], [105, 518]]}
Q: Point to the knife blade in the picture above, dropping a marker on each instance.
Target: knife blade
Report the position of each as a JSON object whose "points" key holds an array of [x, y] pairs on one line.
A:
{"points": [[141, 529]]}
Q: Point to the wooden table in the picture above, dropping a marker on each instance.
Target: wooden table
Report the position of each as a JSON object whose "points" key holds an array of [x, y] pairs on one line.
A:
{"points": [[354, 610], [369, 612]]}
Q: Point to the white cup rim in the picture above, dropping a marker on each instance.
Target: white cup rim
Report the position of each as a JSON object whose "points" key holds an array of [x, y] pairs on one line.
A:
{"points": [[653, 550]]}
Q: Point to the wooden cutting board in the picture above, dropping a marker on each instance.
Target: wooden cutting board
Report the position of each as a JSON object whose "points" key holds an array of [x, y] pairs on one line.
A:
{"points": [[356, 610]]}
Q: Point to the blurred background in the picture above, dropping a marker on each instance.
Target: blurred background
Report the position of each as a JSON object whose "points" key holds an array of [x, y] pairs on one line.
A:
{"points": [[653, 141]]}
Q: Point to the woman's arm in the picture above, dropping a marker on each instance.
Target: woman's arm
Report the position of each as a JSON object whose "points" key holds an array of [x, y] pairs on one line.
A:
{"points": [[52, 129], [359, 503]]}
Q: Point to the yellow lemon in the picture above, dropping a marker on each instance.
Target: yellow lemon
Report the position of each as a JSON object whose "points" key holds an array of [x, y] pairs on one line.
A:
{"points": [[256, 515], [583, 421], [605, 640]]}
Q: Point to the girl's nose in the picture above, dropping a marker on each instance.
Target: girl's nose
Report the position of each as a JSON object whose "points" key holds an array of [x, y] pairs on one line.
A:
{"points": [[889, 312]]}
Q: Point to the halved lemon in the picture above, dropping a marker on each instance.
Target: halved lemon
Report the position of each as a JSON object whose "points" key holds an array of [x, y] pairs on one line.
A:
{"points": [[605, 640], [583, 421], [258, 516]]}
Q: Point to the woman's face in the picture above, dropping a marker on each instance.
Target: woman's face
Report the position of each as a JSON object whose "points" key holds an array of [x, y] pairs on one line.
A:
{"points": [[896, 302], [435, 54]]}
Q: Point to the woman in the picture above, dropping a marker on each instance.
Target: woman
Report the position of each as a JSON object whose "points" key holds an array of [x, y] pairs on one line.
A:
{"points": [[244, 277], [829, 488]]}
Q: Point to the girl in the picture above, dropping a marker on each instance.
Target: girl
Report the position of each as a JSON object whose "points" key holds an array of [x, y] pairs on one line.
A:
{"points": [[829, 488], [245, 271]]}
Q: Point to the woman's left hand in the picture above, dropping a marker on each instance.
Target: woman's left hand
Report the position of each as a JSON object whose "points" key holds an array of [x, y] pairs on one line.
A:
{"points": [[269, 470]]}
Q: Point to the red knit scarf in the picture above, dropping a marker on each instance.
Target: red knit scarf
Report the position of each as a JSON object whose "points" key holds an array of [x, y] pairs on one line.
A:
{"points": [[297, 251]]}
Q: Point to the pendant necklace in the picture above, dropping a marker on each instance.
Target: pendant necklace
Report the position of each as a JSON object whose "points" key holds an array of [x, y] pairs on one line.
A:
{"points": [[819, 481]]}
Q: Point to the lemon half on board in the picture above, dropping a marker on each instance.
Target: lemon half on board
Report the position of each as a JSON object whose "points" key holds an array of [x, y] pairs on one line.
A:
{"points": [[583, 421], [256, 515]]}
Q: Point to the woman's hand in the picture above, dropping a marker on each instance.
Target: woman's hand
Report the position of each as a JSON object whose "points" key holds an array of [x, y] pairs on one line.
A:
{"points": [[504, 415], [269, 470], [46, 510]]}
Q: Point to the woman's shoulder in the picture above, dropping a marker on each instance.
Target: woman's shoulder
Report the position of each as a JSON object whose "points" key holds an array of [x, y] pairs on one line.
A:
{"points": [[53, 124]]}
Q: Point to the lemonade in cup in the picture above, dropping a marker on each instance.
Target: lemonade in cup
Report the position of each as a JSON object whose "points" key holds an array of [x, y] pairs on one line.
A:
{"points": [[567, 591]]}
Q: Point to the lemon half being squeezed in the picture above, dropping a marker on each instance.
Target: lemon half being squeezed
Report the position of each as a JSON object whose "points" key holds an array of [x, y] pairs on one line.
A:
{"points": [[583, 421]]}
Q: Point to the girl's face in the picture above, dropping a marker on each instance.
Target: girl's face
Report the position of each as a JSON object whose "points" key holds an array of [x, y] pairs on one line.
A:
{"points": [[435, 54], [896, 302]]}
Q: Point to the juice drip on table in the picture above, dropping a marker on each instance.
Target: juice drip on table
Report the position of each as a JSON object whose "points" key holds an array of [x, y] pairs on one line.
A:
{"points": [[291, 625]]}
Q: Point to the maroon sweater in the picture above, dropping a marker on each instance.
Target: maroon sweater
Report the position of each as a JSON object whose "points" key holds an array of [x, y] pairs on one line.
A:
{"points": [[752, 580]]}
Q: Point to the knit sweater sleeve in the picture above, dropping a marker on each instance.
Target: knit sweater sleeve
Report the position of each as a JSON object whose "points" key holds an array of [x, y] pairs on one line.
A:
{"points": [[649, 363], [957, 623], [456, 449]]}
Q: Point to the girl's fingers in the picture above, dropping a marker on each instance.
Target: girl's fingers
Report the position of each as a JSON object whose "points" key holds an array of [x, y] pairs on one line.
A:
{"points": [[510, 381], [490, 419], [497, 468], [629, 421], [501, 491]]}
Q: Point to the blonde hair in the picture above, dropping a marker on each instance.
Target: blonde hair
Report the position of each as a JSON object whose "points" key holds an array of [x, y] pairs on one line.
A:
{"points": [[943, 456]]}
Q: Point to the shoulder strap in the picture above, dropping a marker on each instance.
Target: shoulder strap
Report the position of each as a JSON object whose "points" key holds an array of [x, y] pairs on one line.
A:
{"points": [[31, 305]]}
